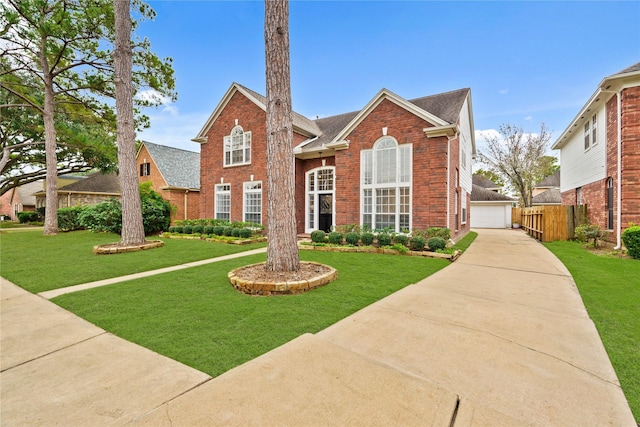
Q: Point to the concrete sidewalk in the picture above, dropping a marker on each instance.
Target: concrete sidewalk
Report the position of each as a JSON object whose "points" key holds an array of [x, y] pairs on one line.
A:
{"points": [[500, 337]]}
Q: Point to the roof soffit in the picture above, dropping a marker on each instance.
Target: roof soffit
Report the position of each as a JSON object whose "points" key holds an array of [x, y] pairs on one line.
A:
{"points": [[377, 100]]}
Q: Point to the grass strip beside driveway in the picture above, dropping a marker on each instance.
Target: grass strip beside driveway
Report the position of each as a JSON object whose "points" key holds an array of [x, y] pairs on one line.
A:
{"points": [[40, 263], [610, 289], [196, 317]]}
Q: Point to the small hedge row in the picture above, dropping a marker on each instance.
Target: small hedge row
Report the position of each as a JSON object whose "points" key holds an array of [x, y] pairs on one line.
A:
{"points": [[212, 222], [27, 216], [415, 242], [210, 230]]}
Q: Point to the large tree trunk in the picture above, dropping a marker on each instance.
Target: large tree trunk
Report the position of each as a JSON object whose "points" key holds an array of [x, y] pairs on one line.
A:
{"points": [[51, 191], [132, 226], [282, 250]]}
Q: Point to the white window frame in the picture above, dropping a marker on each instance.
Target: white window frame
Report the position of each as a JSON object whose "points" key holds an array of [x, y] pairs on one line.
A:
{"points": [[222, 190], [244, 148], [463, 205], [373, 192], [587, 135], [248, 189], [594, 130], [311, 219]]}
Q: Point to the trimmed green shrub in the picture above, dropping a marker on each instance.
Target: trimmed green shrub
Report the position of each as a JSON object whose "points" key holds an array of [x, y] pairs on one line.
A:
{"points": [[401, 239], [226, 231], [436, 243], [105, 217], [178, 229], [245, 233], [25, 217], [318, 236], [188, 229], [590, 232], [207, 229], [417, 243], [156, 211], [631, 240], [352, 238], [384, 239], [68, 218], [335, 238], [367, 238], [235, 232], [198, 229], [218, 230]]}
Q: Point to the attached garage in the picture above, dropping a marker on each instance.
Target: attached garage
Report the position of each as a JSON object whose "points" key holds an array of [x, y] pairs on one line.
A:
{"points": [[490, 209]]}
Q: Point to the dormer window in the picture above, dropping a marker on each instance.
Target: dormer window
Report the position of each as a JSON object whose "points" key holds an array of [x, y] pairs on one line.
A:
{"points": [[237, 147]]}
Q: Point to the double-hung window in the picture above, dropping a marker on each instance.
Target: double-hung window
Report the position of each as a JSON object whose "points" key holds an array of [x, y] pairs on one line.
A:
{"points": [[591, 132], [252, 206], [386, 185], [145, 169], [237, 147], [223, 202]]}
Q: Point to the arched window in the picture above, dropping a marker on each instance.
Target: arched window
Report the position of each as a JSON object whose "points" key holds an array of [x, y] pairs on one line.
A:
{"points": [[237, 147], [386, 185]]}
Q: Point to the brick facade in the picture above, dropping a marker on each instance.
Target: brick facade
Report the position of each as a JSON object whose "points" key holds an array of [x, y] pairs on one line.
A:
{"points": [[431, 174]]}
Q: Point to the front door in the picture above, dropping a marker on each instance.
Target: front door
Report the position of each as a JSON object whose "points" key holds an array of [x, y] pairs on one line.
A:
{"points": [[325, 217]]}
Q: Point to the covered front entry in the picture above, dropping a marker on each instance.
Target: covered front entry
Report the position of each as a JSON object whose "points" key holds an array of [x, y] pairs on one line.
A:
{"points": [[320, 210]]}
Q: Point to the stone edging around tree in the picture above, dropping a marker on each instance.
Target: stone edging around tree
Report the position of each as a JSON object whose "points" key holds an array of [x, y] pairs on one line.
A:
{"points": [[117, 248]]}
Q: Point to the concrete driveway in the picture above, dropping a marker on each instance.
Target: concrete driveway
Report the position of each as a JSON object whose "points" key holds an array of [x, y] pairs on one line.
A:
{"points": [[500, 337]]}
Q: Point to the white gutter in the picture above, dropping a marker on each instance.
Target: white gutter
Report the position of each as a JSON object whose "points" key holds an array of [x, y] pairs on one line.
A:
{"points": [[448, 182], [619, 198]]}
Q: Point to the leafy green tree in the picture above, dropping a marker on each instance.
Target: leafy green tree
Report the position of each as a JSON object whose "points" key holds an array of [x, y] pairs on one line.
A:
{"points": [[546, 166], [492, 176], [65, 48]]}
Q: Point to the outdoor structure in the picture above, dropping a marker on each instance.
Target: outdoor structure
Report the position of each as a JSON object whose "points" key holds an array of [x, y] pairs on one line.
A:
{"points": [[486, 183], [175, 174], [396, 163], [89, 190], [20, 199], [600, 154], [547, 191], [489, 208]]}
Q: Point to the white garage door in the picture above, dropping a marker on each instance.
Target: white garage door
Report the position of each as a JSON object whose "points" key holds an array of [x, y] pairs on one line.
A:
{"points": [[483, 216]]}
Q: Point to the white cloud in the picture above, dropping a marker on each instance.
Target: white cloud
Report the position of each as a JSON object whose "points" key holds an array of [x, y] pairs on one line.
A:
{"points": [[156, 97], [528, 118]]}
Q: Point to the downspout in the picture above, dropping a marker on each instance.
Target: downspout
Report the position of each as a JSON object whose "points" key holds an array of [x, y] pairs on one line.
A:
{"points": [[448, 182], [186, 192], [619, 184]]}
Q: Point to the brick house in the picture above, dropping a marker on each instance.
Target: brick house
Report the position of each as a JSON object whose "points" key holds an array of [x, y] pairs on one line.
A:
{"points": [[175, 174], [600, 154], [82, 191], [19, 199], [396, 163]]}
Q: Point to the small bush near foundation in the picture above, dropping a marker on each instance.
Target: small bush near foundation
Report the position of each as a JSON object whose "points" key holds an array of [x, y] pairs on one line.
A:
{"points": [[235, 232], [245, 233], [227, 231], [367, 238], [352, 238], [384, 239], [25, 217], [631, 240], [401, 239], [436, 243], [318, 236], [400, 248], [218, 230], [198, 229], [208, 229], [417, 243], [335, 238], [188, 229], [68, 218], [591, 232], [178, 229]]}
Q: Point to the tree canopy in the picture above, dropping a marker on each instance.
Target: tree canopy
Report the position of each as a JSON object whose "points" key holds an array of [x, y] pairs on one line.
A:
{"points": [[518, 158]]}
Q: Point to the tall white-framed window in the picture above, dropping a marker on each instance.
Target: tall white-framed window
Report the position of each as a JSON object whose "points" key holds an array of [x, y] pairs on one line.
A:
{"points": [[252, 202], [594, 129], [237, 147], [223, 202], [464, 206], [386, 174], [319, 181], [587, 135]]}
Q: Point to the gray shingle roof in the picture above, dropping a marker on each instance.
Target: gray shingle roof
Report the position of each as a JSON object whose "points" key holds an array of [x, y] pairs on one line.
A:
{"points": [[180, 168], [483, 181], [480, 194], [551, 196], [26, 192], [94, 183], [631, 69], [551, 181]]}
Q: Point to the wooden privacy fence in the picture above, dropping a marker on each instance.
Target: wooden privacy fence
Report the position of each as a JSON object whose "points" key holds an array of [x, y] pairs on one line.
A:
{"points": [[549, 223]]}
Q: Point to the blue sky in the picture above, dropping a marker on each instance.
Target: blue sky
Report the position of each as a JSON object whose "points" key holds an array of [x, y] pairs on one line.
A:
{"points": [[525, 62]]}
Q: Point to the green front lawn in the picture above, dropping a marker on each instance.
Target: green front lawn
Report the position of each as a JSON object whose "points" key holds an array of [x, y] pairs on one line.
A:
{"points": [[196, 317], [40, 263], [610, 289]]}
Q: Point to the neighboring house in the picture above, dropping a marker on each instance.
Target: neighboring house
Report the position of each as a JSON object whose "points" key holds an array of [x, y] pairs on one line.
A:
{"points": [[20, 199], [490, 209], [175, 174], [486, 183], [90, 190], [547, 191], [600, 154], [398, 164]]}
